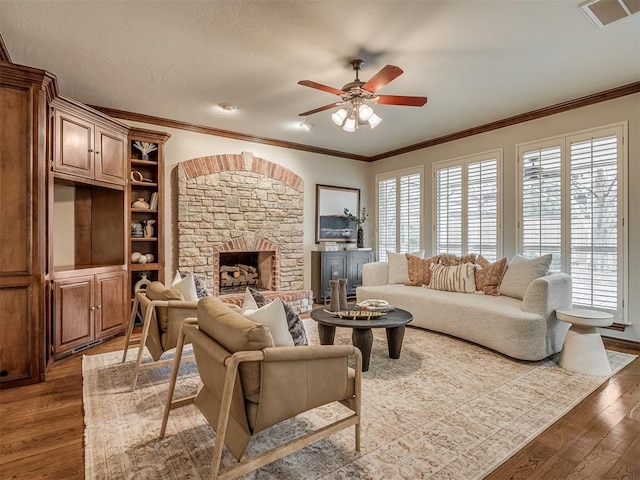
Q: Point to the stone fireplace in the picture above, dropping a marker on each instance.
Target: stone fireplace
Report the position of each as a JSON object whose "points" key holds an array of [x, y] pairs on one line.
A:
{"points": [[242, 210]]}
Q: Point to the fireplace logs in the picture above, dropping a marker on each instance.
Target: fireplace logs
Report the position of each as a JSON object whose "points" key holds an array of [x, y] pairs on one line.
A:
{"points": [[239, 275]]}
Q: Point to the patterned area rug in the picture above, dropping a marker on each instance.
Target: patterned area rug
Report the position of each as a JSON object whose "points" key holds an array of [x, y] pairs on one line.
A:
{"points": [[446, 409]]}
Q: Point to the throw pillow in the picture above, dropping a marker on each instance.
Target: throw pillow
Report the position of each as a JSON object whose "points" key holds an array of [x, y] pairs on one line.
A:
{"points": [[201, 288], [419, 269], [272, 316], [489, 275], [450, 259], [521, 272], [398, 268], [453, 278], [294, 323], [186, 285]]}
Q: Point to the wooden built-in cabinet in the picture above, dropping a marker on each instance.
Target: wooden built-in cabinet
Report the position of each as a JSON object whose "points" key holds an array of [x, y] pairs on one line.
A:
{"points": [[88, 307], [87, 145], [51, 144], [146, 178], [24, 96], [327, 266]]}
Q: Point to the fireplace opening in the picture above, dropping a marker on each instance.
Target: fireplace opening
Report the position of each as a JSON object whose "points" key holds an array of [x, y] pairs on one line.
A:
{"points": [[239, 270]]}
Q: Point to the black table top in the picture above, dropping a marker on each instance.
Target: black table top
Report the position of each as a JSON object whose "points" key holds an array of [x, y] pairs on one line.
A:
{"points": [[395, 318]]}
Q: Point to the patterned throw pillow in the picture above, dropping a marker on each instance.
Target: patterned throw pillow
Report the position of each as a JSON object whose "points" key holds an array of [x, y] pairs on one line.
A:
{"points": [[451, 260], [294, 323], [458, 278], [201, 288], [419, 269], [489, 275]]}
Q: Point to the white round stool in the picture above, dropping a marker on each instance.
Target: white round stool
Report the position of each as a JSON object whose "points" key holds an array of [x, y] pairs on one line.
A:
{"points": [[583, 350]]}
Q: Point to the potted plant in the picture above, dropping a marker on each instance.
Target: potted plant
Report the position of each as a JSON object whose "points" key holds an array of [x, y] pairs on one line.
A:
{"points": [[359, 221]]}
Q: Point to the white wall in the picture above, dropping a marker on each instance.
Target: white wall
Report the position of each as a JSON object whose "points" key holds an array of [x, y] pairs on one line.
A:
{"points": [[313, 168], [622, 109]]}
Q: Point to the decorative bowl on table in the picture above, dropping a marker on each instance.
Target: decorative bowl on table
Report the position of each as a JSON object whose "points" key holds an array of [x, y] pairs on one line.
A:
{"points": [[356, 314]]}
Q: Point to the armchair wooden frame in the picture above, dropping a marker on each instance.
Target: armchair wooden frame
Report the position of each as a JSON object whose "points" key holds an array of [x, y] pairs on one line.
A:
{"points": [[149, 316], [246, 465]]}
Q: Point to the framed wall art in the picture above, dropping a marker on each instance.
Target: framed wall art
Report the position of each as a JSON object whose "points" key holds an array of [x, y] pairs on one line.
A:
{"points": [[332, 225]]}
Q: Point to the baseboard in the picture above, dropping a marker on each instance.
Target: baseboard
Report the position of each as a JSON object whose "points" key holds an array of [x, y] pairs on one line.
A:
{"points": [[623, 342]]}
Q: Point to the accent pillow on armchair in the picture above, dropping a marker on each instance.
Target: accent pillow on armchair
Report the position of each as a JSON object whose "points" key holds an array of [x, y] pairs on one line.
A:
{"points": [[294, 323]]}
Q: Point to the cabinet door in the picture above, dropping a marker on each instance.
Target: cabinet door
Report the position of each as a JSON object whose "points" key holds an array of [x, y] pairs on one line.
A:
{"points": [[356, 261], [16, 335], [334, 266], [110, 299], [73, 323], [73, 140], [110, 156]]}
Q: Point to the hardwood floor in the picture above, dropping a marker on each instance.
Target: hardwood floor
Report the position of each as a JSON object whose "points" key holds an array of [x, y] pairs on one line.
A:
{"points": [[42, 426]]}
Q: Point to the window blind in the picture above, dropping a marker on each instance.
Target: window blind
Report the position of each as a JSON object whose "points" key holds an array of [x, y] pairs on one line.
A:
{"points": [[482, 208], [386, 217], [449, 210]]}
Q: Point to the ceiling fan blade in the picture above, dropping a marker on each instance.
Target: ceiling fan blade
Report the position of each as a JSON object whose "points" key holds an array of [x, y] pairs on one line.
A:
{"points": [[319, 86], [380, 79], [320, 109], [401, 100]]}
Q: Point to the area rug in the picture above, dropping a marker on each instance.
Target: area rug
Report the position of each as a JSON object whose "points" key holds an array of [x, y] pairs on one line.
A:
{"points": [[447, 409]]}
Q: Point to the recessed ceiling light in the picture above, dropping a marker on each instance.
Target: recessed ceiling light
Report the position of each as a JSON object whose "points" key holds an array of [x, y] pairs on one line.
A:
{"points": [[226, 107]]}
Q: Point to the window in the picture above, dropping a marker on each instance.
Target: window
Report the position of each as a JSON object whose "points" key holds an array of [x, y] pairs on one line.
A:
{"points": [[572, 205], [467, 205], [399, 212]]}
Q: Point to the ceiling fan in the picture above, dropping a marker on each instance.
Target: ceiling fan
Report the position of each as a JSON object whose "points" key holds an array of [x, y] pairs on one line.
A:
{"points": [[357, 96]]}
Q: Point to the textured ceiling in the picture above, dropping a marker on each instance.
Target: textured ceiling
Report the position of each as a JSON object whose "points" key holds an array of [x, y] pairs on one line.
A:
{"points": [[477, 61]]}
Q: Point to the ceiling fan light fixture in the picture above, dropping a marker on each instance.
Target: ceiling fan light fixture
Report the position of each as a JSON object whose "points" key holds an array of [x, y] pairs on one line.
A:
{"points": [[374, 120], [365, 112], [306, 126], [339, 117], [350, 124]]}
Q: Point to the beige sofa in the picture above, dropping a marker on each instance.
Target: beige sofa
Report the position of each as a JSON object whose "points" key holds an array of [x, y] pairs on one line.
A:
{"points": [[525, 329]]}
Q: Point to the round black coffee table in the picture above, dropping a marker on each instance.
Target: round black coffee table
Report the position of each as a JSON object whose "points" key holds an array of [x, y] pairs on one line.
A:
{"points": [[362, 336]]}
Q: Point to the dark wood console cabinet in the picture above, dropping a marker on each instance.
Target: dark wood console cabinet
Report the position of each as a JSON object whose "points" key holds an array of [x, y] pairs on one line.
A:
{"points": [[327, 266]]}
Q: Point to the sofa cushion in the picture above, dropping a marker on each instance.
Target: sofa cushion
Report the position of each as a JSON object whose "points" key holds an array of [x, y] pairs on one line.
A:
{"points": [[419, 269], [294, 323], [398, 268], [157, 291], [458, 278], [521, 272], [272, 315], [489, 275], [449, 259]]}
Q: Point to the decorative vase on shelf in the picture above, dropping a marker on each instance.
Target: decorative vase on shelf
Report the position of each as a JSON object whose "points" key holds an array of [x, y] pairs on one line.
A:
{"points": [[360, 238], [342, 288], [143, 283], [140, 203], [334, 297]]}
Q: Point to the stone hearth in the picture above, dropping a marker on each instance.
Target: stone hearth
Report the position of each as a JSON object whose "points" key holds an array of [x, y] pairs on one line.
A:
{"points": [[236, 203]]}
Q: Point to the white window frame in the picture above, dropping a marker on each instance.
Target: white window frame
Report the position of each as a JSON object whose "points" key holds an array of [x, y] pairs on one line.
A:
{"points": [[397, 175], [463, 162], [564, 142]]}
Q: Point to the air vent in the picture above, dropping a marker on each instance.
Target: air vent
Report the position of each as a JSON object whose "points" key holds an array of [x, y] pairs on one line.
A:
{"points": [[604, 12]]}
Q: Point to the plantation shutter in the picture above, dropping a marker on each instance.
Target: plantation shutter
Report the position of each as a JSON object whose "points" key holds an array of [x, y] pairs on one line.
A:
{"points": [[542, 203], [594, 213], [399, 215], [449, 210], [410, 212], [482, 208], [386, 217]]}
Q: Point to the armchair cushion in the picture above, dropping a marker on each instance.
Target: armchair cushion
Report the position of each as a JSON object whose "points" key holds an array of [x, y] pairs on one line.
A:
{"points": [[157, 291], [235, 333]]}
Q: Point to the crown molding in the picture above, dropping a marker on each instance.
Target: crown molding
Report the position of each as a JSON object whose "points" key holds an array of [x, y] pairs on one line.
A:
{"points": [[580, 102], [191, 127]]}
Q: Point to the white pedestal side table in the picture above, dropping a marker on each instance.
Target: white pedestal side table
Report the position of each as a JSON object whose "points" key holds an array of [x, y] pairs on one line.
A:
{"points": [[583, 350]]}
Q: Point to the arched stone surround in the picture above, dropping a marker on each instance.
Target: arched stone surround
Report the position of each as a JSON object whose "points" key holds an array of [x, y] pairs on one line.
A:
{"points": [[240, 202]]}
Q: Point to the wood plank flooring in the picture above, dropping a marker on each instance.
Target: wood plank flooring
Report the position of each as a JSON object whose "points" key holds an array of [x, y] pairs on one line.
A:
{"points": [[42, 427]]}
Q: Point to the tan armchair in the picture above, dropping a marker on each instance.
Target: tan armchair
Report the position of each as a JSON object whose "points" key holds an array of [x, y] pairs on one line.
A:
{"points": [[250, 385], [163, 312]]}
